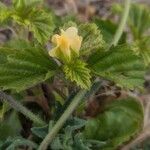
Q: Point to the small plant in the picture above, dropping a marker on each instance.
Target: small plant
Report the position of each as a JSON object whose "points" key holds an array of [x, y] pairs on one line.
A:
{"points": [[69, 85]]}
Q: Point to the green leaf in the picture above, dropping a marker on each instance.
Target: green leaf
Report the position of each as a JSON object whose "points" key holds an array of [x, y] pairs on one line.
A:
{"points": [[70, 137], [76, 71], [21, 142], [120, 120], [119, 65], [40, 132], [4, 13], [24, 67], [68, 24], [14, 143], [9, 130], [108, 29], [38, 20], [24, 7], [4, 144], [142, 48], [3, 109], [41, 25], [139, 20], [92, 37]]}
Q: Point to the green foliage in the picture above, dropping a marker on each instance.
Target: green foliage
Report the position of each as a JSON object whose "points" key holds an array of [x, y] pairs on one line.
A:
{"points": [[24, 64], [10, 126], [108, 29], [4, 13], [142, 48], [24, 7], [117, 124], [67, 141], [70, 138], [139, 19], [13, 143], [120, 65], [38, 20], [68, 24], [3, 109], [92, 37], [41, 25], [30, 15], [139, 23], [21, 68], [77, 72], [40, 132]]}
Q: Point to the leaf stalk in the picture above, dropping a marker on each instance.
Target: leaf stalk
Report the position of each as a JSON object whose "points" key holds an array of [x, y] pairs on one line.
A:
{"points": [[20, 108], [122, 24], [59, 124]]}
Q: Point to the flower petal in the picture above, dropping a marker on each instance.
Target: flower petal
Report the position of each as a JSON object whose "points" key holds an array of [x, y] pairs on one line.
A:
{"points": [[55, 39], [76, 43], [67, 41], [74, 39], [53, 52], [71, 32]]}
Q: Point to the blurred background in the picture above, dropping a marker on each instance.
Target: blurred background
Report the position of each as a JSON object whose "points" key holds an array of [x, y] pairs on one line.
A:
{"points": [[84, 10]]}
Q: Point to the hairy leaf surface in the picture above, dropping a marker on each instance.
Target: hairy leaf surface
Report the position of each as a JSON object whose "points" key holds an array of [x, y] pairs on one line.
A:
{"points": [[138, 20], [92, 37], [31, 14], [4, 13], [108, 29], [118, 123], [24, 67], [120, 65], [79, 73], [142, 48]]}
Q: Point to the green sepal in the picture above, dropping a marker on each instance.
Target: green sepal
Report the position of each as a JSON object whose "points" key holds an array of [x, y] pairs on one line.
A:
{"points": [[77, 72]]}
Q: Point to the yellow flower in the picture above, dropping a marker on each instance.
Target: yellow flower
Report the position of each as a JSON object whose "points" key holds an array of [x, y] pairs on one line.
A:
{"points": [[67, 42]]}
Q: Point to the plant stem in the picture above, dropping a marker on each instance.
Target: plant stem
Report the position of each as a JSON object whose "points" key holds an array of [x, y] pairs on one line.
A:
{"points": [[20, 108], [62, 120], [122, 23], [59, 124]]}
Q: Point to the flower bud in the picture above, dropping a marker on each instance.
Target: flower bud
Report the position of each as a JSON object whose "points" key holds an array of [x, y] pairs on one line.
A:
{"points": [[68, 44]]}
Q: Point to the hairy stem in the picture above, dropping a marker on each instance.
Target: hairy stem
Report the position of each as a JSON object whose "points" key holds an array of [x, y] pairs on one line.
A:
{"points": [[62, 120], [122, 23], [59, 124], [20, 108]]}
